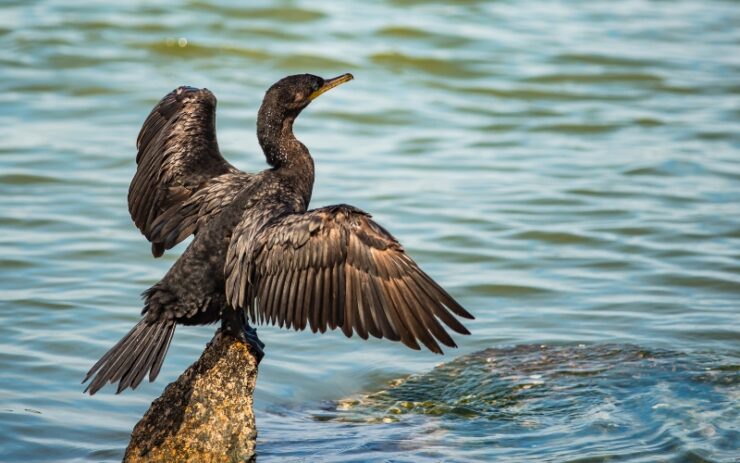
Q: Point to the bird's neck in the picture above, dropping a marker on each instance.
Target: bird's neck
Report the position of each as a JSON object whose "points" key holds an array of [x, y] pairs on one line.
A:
{"points": [[286, 153]]}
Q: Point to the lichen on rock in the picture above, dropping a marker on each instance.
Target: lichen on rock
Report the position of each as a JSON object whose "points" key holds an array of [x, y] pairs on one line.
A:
{"points": [[204, 416]]}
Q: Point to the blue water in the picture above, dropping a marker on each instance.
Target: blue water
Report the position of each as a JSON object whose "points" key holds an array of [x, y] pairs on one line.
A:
{"points": [[569, 171]]}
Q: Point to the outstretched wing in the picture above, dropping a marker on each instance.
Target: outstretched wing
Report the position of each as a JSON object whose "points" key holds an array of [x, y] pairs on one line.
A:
{"points": [[335, 267], [178, 158]]}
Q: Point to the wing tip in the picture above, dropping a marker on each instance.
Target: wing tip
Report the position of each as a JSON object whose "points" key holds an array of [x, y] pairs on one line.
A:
{"points": [[157, 249], [465, 314]]}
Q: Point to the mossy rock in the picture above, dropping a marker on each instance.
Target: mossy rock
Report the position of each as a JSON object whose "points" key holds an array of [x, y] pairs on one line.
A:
{"points": [[204, 416]]}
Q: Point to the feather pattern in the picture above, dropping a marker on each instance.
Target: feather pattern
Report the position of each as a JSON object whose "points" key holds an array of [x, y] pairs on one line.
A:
{"points": [[334, 267], [181, 178]]}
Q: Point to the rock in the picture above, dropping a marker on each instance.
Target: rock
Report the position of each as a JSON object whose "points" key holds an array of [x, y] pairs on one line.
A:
{"points": [[204, 416]]}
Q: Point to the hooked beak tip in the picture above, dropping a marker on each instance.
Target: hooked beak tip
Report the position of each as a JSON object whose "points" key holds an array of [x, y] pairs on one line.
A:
{"points": [[330, 84]]}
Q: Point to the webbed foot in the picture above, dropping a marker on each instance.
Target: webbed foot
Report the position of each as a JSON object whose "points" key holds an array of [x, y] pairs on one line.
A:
{"points": [[236, 325], [249, 336]]}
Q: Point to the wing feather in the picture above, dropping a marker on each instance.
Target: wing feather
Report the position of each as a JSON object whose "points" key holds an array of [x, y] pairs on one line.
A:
{"points": [[334, 267], [351, 312], [181, 177], [296, 316]]}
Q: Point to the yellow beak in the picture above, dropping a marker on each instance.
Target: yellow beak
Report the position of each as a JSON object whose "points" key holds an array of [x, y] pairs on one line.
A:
{"points": [[330, 84]]}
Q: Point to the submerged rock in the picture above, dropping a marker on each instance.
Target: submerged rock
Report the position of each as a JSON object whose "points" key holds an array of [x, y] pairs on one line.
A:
{"points": [[204, 416], [528, 385], [596, 403]]}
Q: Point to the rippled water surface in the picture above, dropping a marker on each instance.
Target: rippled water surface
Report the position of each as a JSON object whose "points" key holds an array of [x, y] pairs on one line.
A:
{"points": [[570, 171]]}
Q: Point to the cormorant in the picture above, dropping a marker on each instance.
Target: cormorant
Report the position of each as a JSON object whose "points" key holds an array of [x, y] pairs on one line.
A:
{"points": [[259, 254]]}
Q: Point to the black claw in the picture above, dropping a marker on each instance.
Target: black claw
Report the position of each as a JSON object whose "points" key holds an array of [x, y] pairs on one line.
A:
{"points": [[257, 346], [257, 349], [251, 334], [237, 326]]}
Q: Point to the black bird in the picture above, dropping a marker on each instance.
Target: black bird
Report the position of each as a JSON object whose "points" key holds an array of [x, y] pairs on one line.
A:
{"points": [[259, 255]]}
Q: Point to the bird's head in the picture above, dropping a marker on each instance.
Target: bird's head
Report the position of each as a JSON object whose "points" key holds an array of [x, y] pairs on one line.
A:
{"points": [[283, 102], [293, 93]]}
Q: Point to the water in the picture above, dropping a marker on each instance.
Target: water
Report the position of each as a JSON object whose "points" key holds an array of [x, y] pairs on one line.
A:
{"points": [[570, 172], [533, 403]]}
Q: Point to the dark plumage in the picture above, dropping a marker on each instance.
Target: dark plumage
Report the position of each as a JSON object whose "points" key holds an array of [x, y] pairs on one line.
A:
{"points": [[257, 249]]}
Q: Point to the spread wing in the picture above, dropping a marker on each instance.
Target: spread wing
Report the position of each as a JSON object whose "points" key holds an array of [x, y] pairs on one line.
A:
{"points": [[335, 267], [180, 173]]}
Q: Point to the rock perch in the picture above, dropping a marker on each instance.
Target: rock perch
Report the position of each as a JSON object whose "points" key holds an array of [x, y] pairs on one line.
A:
{"points": [[204, 416]]}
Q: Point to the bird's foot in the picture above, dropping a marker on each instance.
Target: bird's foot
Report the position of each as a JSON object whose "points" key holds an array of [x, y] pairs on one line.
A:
{"points": [[235, 324], [249, 336]]}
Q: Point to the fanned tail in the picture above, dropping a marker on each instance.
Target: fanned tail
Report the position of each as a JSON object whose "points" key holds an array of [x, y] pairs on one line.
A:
{"points": [[142, 350]]}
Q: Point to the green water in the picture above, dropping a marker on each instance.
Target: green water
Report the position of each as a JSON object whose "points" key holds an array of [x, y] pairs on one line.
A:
{"points": [[569, 171]]}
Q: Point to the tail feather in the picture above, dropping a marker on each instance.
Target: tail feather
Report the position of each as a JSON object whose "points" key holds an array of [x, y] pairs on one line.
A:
{"points": [[134, 375], [130, 358], [142, 350], [116, 357], [160, 355]]}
